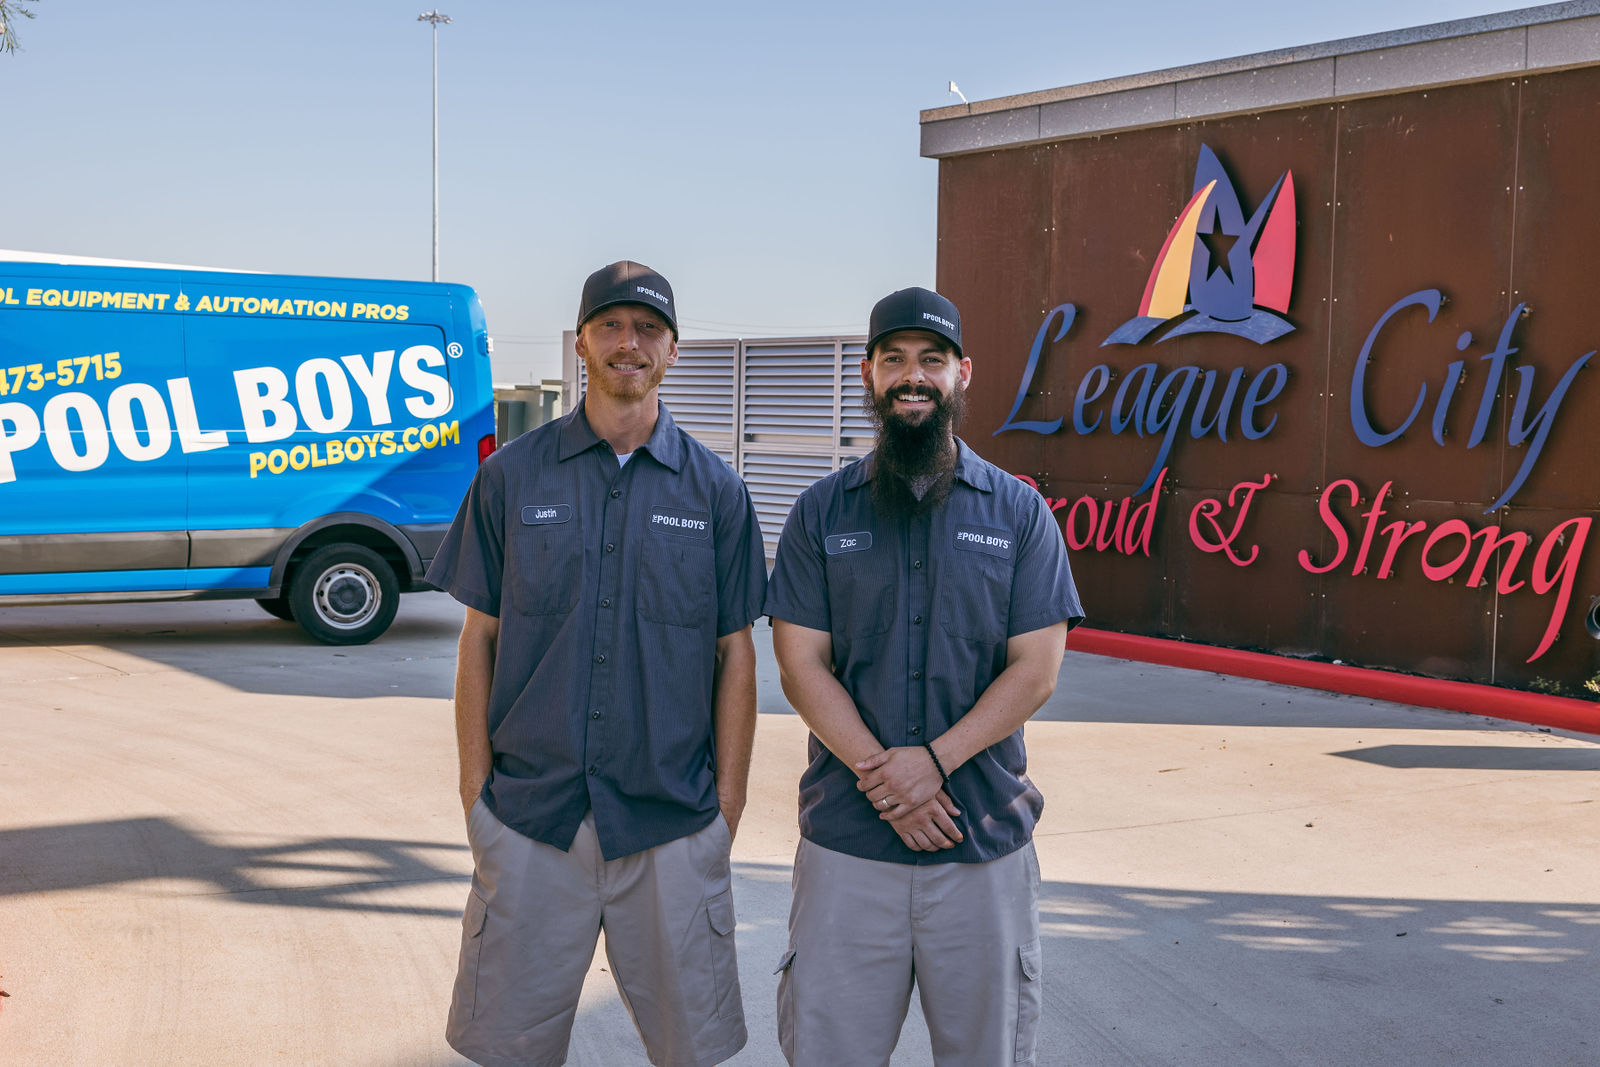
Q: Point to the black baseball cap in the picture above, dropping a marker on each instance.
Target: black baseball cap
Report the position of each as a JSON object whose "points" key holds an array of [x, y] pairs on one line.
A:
{"points": [[627, 282], [915, 309]]}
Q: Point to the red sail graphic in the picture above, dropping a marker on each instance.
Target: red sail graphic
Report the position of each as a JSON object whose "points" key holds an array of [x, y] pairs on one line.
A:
{"points": [[1274, 256]]}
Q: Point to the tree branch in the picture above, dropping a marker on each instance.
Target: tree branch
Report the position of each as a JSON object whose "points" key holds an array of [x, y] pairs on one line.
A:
{"points": [[10, 11]]}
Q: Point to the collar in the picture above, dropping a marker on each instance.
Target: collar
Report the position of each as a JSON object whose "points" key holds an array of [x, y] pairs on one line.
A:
{"points": [[969, 468], [665, 445]]}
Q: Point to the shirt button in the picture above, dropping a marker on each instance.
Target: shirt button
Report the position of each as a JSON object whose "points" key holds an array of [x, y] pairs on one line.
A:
{"points": [[611, 548], [594, 715], [605, 602], [916, 675], [593, 769], [917, 620], [601, 658], [615, 493], [915, 730], [916, 565]]}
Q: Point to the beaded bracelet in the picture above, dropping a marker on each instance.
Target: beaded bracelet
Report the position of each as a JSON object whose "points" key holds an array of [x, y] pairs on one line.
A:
{"points": [[936, 764]]}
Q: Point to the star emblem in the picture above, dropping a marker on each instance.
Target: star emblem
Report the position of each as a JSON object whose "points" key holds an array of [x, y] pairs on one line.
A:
{"points": [[1219, 244]]}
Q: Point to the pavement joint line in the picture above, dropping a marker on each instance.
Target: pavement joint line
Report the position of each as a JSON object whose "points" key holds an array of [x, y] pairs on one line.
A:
{"points": [[24, 638], [110, 672], [85, 659]]}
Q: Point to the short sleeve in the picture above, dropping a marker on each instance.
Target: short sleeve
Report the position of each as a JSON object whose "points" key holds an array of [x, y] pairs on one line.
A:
{"points": [[1042, 590], [798, 592], [741, 561], [471, 560]]}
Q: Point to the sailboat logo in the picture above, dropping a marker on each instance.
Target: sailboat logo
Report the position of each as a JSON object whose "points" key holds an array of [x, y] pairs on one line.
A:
{"points": [[1217, 272]]}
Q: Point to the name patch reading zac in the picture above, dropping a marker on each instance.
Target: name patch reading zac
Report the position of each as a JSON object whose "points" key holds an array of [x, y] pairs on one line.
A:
{"points": [[848, 542], [544, 514], [683, 523], [981, 539]]}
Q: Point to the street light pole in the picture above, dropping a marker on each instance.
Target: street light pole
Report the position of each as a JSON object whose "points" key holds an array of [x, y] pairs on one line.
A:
{"points": [[435, 18]]}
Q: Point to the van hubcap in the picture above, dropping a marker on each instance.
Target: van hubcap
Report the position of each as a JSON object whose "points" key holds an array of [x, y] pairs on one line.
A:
{"points": [[347, 596]]}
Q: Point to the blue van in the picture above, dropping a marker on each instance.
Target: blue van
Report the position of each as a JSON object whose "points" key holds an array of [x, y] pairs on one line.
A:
{"points": [[169, 433]]}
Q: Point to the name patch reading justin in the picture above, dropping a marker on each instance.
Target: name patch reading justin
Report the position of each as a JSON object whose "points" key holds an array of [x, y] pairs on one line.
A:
{"points": [[683, 523], [545, 514], [836, 544], [981, 539]]}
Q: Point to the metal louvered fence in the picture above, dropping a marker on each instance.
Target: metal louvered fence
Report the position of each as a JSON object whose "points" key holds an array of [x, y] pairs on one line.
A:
{"points": [[782, 411]]}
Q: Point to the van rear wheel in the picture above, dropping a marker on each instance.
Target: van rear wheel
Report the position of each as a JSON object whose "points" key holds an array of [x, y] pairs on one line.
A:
{"points": [[277, 606], [344, 594]]}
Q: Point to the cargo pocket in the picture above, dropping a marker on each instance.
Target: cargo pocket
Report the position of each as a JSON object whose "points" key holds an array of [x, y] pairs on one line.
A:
{"points": [[724, 961], [472, 924], [786, 1006], [1029, 997]]}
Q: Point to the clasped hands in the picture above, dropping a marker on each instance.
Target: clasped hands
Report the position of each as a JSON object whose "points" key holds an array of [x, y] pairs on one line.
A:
{"points": [[907, 790]]}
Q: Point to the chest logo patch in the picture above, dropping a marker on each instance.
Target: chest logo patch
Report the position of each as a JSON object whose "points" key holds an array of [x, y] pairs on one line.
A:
{"points": [[681, 522], [546, 514], [999, 543], [838, 544]]}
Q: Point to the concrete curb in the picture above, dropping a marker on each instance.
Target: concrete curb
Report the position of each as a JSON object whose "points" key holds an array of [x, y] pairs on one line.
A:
{"points": [[1489, 701]]}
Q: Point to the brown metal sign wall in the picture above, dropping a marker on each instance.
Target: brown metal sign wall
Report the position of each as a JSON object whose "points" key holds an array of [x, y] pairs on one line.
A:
{"points": [[1407, 478]]}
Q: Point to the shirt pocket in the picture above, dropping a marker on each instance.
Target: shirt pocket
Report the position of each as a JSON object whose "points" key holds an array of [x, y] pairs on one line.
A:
{"points": [[677, 582], [975, 597], [861, 594], [547, 569]]}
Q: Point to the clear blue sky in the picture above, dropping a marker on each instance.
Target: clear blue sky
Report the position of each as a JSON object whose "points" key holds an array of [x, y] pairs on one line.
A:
{"points": [[762, 156]]}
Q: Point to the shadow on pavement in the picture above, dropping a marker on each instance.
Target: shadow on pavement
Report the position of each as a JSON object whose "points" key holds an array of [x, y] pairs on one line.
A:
{"points": [[1487, 931], [1133, 975], [237, 644], [1145, 976], [1477, 758], [1141, 976], [322, 872]]}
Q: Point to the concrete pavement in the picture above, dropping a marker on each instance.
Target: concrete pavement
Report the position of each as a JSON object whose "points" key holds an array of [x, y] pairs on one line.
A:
{"points": [[221, 843]]}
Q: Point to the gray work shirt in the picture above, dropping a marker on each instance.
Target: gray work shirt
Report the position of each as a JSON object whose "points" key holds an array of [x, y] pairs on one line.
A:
{"points": [[612, 584], [920, 610]]}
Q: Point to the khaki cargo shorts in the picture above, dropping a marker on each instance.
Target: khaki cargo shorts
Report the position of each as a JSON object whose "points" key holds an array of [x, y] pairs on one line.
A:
{"points": [[529, 932], [864, 933]]}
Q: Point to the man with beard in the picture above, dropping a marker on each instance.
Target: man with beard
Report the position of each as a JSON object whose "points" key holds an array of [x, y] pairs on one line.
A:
{"points": [[920, 607], [611, 567]]}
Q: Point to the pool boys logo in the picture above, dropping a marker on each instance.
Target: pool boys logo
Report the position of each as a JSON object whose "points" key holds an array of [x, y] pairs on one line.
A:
{"points": [[1234, 275]]}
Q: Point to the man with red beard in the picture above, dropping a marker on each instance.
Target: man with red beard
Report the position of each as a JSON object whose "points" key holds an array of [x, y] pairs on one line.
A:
{"points": [[920, 607], [611, 567]]}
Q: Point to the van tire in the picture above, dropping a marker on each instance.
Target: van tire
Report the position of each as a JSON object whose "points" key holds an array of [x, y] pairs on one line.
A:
{"points": [[344, 594], [277, 606]]}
